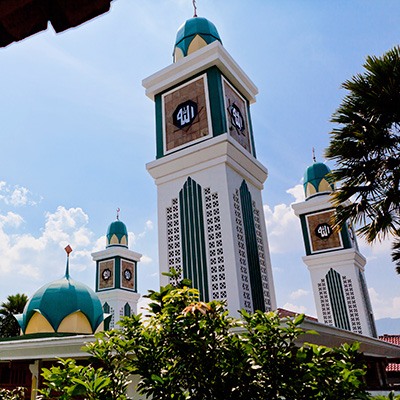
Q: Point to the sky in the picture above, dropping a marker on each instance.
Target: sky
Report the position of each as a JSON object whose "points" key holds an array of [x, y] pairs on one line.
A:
{"points": [[77, 130]]}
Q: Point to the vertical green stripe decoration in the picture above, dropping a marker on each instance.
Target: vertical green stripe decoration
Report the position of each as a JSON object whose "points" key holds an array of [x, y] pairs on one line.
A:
{"points": [[193, 239], [368, 306], [106, 309], [338, 302], [127, 310], [216, 96], [253, 259]]}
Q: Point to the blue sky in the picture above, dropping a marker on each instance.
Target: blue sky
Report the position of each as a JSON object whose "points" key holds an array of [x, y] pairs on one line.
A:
{"points": [[77, 130]]}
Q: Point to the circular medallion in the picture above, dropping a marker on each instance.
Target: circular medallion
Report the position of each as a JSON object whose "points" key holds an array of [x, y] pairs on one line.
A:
{"points": [[128, 274], [323, 231], [237, 119], [185, 114], [106, 274]]}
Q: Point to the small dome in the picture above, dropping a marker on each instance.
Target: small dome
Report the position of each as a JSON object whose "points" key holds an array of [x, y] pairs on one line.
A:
{"points": [[317, 180], [117, 234], [195, 33], [65, 305]]}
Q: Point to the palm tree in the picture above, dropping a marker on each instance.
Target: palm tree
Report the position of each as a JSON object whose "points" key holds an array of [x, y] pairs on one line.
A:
{"points": [[14, 305], [366, 148]]}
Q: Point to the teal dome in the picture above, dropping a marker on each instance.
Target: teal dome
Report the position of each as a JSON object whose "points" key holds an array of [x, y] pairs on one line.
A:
{"points": [[317, 180], [195, 33], [117, 234], [58, 300]]}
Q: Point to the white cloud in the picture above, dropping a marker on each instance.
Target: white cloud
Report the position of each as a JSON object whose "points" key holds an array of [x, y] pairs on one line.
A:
{"points": [[131, 238], [283, 226], [30, 257], [376, 249], [384, 308], [149, 225], [17, 196], [11, 219], [297, 192], [295, 308], [298, 293], [146, 259]]}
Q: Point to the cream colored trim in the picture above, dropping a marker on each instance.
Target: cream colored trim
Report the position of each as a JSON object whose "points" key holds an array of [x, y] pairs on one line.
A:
{"points": [[213, 54], [38, 324], [197, 43], [76, 322]]}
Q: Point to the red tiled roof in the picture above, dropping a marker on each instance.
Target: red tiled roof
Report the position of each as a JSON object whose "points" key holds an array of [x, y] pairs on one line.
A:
{"points": [[395, 339]]}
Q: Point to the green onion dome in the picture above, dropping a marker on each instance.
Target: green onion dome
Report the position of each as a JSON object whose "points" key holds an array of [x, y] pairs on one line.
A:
{"points": [[317, 180], [62, 306], [195, 33], [117, 234]]}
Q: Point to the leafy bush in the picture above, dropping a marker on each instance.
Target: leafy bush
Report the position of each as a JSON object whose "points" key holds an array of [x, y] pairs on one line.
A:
{"points": [[187, 349], [16, 394]]}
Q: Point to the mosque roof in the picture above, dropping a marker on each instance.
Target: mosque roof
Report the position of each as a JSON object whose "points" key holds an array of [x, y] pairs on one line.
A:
{"points": [[58, 299], [193, 34], [317, 180]]}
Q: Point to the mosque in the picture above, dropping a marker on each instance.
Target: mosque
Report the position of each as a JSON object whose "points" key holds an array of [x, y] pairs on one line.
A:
{"points": [[211, 227]]}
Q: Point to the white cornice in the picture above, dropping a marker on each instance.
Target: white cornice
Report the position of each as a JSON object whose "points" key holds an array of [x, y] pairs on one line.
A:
{"points": [[334, 258], [212, 55], [44, 348], [313, 204], [218, 150], [115, 251]]}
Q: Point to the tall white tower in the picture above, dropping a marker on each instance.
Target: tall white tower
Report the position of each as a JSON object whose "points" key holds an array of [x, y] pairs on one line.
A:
{"points": [[336, 266], [116, 275], [210, 212]]}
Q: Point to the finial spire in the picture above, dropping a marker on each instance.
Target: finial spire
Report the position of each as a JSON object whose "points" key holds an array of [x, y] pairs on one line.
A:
{"points": [[68, 249], [313, 155], [195, 9], [118, 210]]}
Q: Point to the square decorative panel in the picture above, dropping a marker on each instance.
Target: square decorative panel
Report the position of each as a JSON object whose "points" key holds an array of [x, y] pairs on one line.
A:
{"points": [[106, 275], [186, 114], [236, 116], [127, 275], [322, 236]]}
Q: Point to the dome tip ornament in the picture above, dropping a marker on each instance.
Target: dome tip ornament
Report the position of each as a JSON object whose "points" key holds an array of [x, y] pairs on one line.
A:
{"points": [[313, 155], [68, 249], [195, 9], [118, 210]]}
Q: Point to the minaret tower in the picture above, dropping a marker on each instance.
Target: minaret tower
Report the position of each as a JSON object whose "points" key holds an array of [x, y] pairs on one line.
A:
{"points": [[116, 275], [336, 266], [210, 211]]}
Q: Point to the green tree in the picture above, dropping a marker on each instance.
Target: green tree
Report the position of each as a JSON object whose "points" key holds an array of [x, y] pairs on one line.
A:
{"points": [[16, 394], [366, 149], [14, 305], [187, 349]]}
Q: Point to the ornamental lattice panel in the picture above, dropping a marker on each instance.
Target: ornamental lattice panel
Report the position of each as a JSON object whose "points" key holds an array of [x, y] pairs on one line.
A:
{"points": [[325, 304], [215, 245], [244, 273], [352, 305], [174, 239], [261, 256]]}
